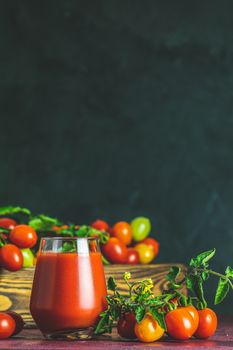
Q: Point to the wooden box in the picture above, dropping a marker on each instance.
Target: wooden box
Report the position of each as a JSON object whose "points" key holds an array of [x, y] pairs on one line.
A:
{"points": [[15, 287]]}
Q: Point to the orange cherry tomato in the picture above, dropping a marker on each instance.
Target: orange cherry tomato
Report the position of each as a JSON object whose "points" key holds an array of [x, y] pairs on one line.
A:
{"points": [[100, 225], [126, 324], [23, 236], [208, 323], [180, 324], [194, 313], [152, 243], [7, 325], [7, 223], [122, 230], [132, 256], [114, 251], [146, 253], [11, 257], [148, 330]]}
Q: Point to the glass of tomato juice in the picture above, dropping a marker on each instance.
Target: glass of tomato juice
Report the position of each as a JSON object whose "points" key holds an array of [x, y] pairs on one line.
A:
{"points": [[69, 287]]}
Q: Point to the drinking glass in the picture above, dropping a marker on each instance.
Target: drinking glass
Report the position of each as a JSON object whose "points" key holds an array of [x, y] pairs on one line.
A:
{"points": [[69, 287]]}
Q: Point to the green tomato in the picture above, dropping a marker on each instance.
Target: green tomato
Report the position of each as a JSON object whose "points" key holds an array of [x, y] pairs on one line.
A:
{"points": [[28, 257], [141, 227]]}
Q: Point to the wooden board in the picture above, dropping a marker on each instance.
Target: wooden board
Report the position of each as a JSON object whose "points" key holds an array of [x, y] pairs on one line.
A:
{"points": [[15, 287]]}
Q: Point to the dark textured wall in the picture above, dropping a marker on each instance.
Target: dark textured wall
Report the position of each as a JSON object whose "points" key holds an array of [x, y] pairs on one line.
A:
{"points": [[114, 109]]}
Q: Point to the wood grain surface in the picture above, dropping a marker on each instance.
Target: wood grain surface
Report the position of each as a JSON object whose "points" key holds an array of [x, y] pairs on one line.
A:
{"points": [[15, 287]]}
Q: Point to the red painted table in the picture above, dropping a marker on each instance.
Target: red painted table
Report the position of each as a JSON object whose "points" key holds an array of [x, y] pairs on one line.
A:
{"points": [[32, 339]]}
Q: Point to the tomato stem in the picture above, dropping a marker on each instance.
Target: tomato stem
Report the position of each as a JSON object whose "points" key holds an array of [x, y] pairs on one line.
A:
{"points": [[218, 275]]}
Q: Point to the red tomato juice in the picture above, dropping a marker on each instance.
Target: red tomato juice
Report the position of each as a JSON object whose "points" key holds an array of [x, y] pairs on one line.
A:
{"points": [[68, 292]]}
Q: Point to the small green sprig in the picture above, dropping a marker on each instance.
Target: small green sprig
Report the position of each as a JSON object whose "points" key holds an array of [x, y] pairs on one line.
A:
{"points": [[139, 299], [198, 272]]}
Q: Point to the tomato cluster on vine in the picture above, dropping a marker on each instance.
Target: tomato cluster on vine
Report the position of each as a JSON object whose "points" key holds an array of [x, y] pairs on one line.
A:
{"points": [[181, 323]]}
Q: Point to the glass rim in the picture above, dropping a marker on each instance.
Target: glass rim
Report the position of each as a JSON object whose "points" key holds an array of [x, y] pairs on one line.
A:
{"points": [[68, 238]]}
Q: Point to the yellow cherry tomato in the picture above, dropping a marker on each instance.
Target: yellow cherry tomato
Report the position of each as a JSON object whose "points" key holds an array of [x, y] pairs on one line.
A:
{"points": [[148, 330], [146, 253]]}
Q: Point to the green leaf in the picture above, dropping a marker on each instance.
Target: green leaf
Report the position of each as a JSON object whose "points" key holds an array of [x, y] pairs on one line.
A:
{"points": [[202, 258], [194, 283], [4, 230], [116, 312], [112, 284], [104, 325], [204, 275], [68, 247], [140, 313], [229, 272], [83, 231], [159, 317], [173, 273], [222, 290], [9, 210], [42, 222]]}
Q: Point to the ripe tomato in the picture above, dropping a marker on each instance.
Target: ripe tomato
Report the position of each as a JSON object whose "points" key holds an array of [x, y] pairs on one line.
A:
{"points": [[207, 323], [153, 244], [194, 313], [141, 227], [28, 257], [115, 251], [180, 324], [132, 256], [7, 325], [125, 326], [11, 257], [123, 232], [146, 253], [100, 225], [7, 223], [148, 330], [19, 322], [23, 236]]}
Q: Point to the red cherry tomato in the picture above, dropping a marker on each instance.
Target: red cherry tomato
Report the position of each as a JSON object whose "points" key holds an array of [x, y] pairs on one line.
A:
{"points": [[23, 236], [180, 324], [19, 322], [207, 323], [132, 256], [100, 225], [11, 257], [126, 324], [122, 230], [7, 325], [153, 244], [115, 251], [7, 223]]}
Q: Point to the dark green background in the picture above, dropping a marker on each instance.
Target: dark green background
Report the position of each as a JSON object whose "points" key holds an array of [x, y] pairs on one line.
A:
{"points": [[113, 109]]}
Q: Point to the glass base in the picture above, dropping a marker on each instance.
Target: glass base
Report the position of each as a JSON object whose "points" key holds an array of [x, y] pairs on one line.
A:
{"points": [[71, 334]]}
